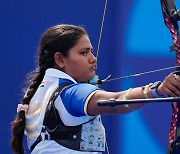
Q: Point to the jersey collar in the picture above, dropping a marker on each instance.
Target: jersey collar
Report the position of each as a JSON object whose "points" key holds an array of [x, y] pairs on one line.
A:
{"points": [[55, 73]]}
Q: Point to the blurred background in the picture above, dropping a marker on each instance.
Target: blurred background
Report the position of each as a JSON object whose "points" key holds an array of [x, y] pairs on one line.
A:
{"points": [[134, 40]]}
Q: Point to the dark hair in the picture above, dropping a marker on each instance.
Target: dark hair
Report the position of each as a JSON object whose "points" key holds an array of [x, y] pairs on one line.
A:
{"points": [[59, 38]]}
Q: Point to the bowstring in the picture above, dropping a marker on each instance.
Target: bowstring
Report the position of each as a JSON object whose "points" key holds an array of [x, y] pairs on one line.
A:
{"points": [[143, 73], [101, 30]]}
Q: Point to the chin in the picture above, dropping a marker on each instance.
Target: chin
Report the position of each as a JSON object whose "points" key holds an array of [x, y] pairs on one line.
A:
{"points": [[87, 78], [92, 76]]}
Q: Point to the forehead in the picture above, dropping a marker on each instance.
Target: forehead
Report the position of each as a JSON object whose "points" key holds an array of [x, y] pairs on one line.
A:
{"points": [[83, 42]]}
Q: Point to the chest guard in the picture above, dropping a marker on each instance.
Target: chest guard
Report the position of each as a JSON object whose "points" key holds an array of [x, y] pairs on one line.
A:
{"points": [[88, 136]]}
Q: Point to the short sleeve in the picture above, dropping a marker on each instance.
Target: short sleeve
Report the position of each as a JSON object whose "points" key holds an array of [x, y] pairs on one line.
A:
{"points": [[75, 97]]}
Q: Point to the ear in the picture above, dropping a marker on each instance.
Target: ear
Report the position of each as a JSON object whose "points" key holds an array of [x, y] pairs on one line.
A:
{"points": [[59, 59]]}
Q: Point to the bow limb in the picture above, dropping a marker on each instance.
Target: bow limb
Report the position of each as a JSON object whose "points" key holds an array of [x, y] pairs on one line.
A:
{"points": [[171, 17]]}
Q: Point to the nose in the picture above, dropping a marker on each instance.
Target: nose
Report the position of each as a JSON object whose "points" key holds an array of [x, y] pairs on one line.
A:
{"points": [[92, 58]]}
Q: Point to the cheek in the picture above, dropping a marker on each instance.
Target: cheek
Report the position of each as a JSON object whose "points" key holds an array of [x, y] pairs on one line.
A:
{"points": [[79, 69], [76, 64], [76, 67]]}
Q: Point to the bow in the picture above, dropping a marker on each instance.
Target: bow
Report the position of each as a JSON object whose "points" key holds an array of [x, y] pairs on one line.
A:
{"points": [[171, 17]]}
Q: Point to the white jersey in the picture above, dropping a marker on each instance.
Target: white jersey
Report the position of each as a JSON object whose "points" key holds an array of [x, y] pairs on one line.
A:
{"points": [[36, 112]]}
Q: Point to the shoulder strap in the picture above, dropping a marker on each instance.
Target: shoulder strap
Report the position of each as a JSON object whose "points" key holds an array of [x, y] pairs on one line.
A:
{"points": [[49, 108]]}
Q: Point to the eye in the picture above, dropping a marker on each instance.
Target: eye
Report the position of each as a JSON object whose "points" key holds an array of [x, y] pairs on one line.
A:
{"points": [[83, 53]]}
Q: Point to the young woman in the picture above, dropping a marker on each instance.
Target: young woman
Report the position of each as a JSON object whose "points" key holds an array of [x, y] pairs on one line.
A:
{"points": [[71, 123]]}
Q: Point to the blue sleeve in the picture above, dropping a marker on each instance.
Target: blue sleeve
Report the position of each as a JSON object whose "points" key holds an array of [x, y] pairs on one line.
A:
{"points": [[74, 97]]}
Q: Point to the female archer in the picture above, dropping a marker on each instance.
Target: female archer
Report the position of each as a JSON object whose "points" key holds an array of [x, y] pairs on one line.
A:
{"points": [[59, 111]]}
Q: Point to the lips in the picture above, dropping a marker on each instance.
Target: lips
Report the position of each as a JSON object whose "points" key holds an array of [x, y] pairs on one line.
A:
{"points": [[94, 67]]}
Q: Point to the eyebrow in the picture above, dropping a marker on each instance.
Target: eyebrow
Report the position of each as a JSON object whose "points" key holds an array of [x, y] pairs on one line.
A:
{"points": [[86, 49]]}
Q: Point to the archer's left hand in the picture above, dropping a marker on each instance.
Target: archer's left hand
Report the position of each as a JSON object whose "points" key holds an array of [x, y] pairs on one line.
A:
{"points": [[170, 86]]}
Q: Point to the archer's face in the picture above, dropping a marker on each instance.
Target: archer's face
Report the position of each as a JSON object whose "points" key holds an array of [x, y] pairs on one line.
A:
{"points": [[81, 63]]}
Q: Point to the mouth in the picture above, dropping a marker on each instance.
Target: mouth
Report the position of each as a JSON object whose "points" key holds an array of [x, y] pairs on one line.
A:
{"points": [[94, 67]]}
